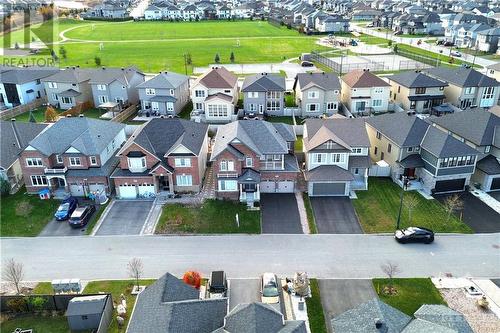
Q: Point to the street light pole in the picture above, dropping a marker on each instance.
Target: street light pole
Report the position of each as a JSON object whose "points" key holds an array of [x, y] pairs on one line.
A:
{"points": [[400, 204]]}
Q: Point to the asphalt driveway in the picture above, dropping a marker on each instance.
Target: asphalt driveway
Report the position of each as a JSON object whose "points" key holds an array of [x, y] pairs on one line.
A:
{"points": [[335, 215], [125, 217], [476, 214], [243, 291], [338, 296], [280, 214], [495, 194], [61, 228]]}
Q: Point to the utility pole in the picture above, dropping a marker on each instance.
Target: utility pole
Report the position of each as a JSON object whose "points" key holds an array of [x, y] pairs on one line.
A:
{"points": [[474, 59], [401, 203]]}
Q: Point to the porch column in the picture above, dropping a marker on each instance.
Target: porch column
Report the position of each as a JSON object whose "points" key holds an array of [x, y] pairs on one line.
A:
{"points": [[171, 183], [258, 191], [241, 191]]}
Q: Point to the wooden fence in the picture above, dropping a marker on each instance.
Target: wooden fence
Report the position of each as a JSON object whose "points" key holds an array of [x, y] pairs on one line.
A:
{"points": [[125, 114], [20, 109]]}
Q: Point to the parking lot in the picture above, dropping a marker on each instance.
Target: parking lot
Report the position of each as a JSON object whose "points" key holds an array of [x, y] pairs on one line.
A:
{"points": [[280, 214], [335, 215], [125, 217]]}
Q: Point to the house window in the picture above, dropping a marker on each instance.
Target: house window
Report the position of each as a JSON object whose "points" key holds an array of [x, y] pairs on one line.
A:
{"points": [[329, 145], [377, 102], [441, 88], [199, 93], [170, 106], [184, 180], [228, 185], [399, 89], [319, 158], [252, 107], [75, 161], [357, 151], [379, 135], [101, 87], [413, 105], [253, 94], [93, 160], [155, 106], [409, 149], [53, 85], [85, 317], [312, 94], [378, 90], [37, 81], [470, 90], [487, 149], [182, 162], [227, 91], [356, 171], [55, 97], [198, 106], [218, 111], [103, 99], [150, 91], [420, 90], [488, 92], [172, 92], [312, 107], [389, 148], [59, 159], [136, 163], [375, 151], [67, 100], [38, 180], [226, 166], [273, 105], [34, 162], [331, 106], [249, 162]]}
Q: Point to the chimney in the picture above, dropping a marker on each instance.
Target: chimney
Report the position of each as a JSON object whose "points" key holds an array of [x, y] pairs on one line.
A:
{"points": [[378, 323]]}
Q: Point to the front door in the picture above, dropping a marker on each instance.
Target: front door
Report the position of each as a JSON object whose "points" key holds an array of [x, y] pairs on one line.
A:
{"points": [[360, 106], [410, 172], [163, 182], [61, 182]]}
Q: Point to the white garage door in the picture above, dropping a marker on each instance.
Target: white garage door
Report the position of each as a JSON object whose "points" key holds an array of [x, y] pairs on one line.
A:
{"points": [[76, 190], [267, 187], [146, 188], [285, 187], [127, 191], [97, 187]]}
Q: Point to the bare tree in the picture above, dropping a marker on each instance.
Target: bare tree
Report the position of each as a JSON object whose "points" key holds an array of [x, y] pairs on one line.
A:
{"points": [[452, 203], [135, 269], [391, 269], [411, 202], [14, 273]]}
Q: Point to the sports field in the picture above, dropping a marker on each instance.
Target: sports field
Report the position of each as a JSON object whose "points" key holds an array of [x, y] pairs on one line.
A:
{"points": [[155, 46]]}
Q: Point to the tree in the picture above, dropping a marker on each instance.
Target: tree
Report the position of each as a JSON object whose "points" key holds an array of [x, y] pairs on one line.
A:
{"points": [[51, 114], [395, 48], [217, 58], [189, 60], [16, 46], [97, 61], [411, 202], [231, 57], [192, 278], [37, 302], [135, 269], [4, 187], [452, 203], [14, 273], [391, 269], [389, 43], [62, 52]]}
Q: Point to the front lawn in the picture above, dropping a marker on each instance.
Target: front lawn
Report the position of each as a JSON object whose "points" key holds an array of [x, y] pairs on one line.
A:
{"points": [[43, 288], [213, 217], [378, 208], [280, 119], [299, 143], [410, 293], [315, 309], [38, 324], [25, 215], [309, 213], [116, 288]]}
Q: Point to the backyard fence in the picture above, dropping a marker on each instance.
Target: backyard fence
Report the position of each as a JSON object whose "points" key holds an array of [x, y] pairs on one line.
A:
{"points": [[76, 110], [9, 113], [431, 62], [126, 114], [52, 302], [341, 67]]}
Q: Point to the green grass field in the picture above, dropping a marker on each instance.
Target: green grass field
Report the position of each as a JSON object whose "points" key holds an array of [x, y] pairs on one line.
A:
{"points": [[315, 309], [37, 323]]}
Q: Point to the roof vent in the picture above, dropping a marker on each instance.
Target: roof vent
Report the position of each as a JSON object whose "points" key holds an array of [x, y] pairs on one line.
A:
{"points": [[13, 119], [80, 115], [378, 323], [78, 66]]}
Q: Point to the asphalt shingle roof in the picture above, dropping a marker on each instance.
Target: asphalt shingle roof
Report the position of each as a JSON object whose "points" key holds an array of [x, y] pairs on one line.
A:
{"points": [[106, 75], [441, 144], [15, 137], [325, 81], [218, 77], [264, 82], [166, 80], [402, 129], [344, 131], [327, 173], [443, 316], [363, 79], [463, 77], [416, 80], [489, 165], [20, 75]]}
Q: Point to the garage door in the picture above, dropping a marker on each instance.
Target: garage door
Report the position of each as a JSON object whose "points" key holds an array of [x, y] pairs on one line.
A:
{"points": [[76, 190], [328, 189], [127, 191], [97, 187], [146, 188], [267, 187], [450, 185], [495, 184], [285, 187]]}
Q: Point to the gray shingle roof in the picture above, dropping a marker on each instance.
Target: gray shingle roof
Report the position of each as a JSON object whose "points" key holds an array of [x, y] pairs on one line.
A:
{"points": [[402, 129], [86, 305], [326, 81], [351, 131], [104, 171], [264, 82], [362, 319], [106, 75], [328, 172], [443, 316], [422, 326], [89, 136], [166, 80], [463, 77], [416, 80], [71, 75], [441, 144], [489, 165], [17, 75], [261, 137], [15, 136]]}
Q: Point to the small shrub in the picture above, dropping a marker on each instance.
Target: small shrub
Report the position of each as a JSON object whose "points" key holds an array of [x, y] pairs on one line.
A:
{"points": [[17, 305], [37, 303], [4, 187]]}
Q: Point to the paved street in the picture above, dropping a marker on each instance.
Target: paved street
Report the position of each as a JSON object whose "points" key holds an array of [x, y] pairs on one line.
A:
{"points": [[322, 256], [125, 218], [335, 215]]}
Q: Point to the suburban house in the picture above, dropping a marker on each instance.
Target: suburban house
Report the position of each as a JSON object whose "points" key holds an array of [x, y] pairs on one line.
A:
{"points": [[214, 95], [109, 10], [493, 71], [337, 156], [415, 91], [480, 130], [15, 138], [165, 94], [22, 85], [420, 156], [487, 40], [252, 157], [332, 23], [467, 88], [363, 91], [317, 94], [74, 155], [264, 94], [163, 155], [69, 87], [116, 85]]}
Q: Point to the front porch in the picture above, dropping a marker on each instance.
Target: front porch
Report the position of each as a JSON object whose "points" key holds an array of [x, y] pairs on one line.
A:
{"points": [[58, 186], [249, 187], [407, 177]]}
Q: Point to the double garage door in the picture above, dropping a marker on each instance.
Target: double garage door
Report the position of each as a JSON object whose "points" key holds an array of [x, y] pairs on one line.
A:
{"points": [[495, 184], [277, 187], [133, 191], [78, 190], [327, 189], [454, 185]]}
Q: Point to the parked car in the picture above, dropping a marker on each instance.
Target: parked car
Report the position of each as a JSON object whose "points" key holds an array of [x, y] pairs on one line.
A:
{"points": [[66, 208], [306, 64], [397, 33], [369, 25], [217, 285], [269, 289], [81, 216], [456, 54], [353, 42], [414, 235], [448, 44], [439, 42]]}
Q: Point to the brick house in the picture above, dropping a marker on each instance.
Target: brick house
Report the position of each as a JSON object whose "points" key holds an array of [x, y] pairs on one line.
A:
{"points": [[74, 155], [162, 156], [252, 157]]}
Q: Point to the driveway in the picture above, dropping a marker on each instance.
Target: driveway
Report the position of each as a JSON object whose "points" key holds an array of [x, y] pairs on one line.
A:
{"points": [[476, 214], [335, 215], [280, 214], [495, 195], [243, 291], [61, 228], [125, 217], [338, 296]]}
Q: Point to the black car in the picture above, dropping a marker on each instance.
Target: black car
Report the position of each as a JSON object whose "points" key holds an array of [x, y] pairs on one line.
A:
{"points": [[414, 235], [81, 216], [306, 64], [66, 208], [218, 284]]}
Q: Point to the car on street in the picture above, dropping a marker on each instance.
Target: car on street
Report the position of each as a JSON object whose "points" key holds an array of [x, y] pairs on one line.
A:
{"points": [[448, 44], [81, 216], [270, 292], [66, 208], [414, 235], [369, 25], [306, 64], [456, 54], [397, 33], [217, 285]]}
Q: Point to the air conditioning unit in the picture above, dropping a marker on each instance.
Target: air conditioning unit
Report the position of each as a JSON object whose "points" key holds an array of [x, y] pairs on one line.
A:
{"points": [[75, 285]]}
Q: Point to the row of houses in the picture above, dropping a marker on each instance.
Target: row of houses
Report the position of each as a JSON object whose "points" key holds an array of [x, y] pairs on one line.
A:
{"points": [[111, 9]]}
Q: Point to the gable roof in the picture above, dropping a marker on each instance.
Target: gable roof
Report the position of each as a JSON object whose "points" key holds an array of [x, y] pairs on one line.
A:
{"points": [[363, 79], [262, 137], [325, 81], [347, 132], [167, 80], [264, 82], [463, 77], [442, 145], [414, 79], [89, 136], [402, 129], [86, 305], [15, 138], [217, 77], [443, 316], [106, 75], [20, 75], [71, 75]]}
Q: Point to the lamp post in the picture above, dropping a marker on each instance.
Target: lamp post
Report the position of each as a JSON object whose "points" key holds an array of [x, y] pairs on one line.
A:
{"points": [[401, 203]]}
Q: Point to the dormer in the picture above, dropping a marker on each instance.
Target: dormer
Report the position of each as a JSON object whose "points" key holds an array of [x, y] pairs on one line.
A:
{"points": [[136, 161]]}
